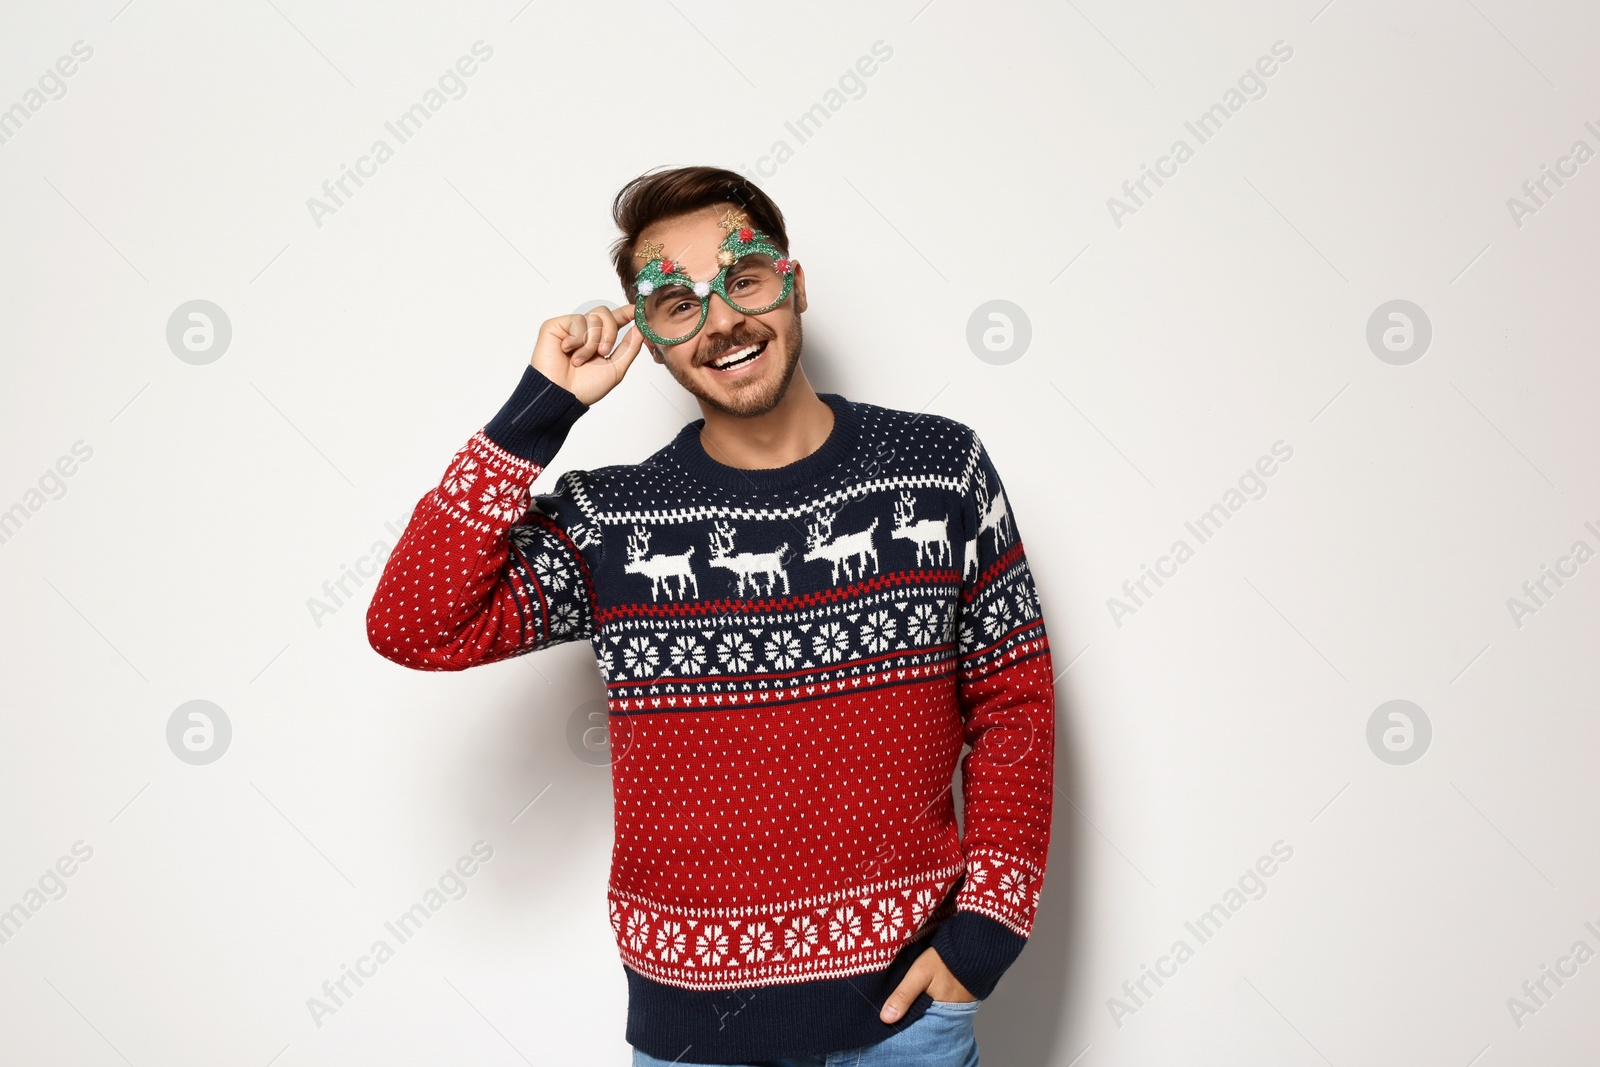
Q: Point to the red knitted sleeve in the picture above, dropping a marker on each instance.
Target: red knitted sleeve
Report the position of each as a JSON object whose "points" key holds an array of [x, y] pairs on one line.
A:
{"points": [[485, 570]]}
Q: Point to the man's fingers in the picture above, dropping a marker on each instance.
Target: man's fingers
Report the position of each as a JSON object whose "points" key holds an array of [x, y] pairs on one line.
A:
{"points": [[908, 990], [568, 343], [574, 330], [613, 320], [602, 318], [599, 330]]}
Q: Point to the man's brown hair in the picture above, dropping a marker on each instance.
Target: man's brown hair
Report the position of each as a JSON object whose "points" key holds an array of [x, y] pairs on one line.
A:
{"points": [[667, 193]]}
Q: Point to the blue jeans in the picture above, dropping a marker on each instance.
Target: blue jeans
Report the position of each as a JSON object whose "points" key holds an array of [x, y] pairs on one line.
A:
{"points": [[943, 1037]]}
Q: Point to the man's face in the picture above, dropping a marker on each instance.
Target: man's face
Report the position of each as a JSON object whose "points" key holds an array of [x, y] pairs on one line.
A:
{"points": [[756, 385]]}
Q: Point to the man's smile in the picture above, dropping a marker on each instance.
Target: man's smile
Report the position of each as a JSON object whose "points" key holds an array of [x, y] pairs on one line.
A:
{"points": [[739, 357]]}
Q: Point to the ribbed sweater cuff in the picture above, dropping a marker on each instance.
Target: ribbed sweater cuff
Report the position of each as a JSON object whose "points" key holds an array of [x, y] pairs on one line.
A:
{"points": [[534, 422], [977, 949]]}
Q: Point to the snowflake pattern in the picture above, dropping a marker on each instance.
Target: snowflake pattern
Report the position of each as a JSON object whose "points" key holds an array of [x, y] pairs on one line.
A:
{"points": [[756, 941], [800, 937], [863, 644], [635, 936], [670, 941], [505, 501], [783, 650], [1000, 886], [733, 652], [922, 624], [551, 571], [855, 931], [1027, 602], [639, 657], [711, 946], [886, 919], [845, 927], [830, 642], [688, 655], [1013, 886], [460, 478], [564, 619], [997, 618], [977, 872], [877, 633]]}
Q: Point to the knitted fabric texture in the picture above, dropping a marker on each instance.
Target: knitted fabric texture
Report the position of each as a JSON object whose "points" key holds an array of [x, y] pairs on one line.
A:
{"points": [[794, 659]]}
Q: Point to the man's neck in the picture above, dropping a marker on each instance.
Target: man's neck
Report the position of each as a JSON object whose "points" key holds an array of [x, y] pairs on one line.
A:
{"points": [[796, 427]]}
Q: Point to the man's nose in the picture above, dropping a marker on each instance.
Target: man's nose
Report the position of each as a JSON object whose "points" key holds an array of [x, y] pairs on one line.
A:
{"points": [[722, 317]]}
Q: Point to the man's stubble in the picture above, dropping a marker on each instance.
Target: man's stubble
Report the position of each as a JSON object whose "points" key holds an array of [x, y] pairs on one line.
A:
{"points": [[762, 399]]}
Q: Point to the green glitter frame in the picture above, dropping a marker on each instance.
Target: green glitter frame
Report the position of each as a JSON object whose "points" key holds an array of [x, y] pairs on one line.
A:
{"points": [[735, 244]]}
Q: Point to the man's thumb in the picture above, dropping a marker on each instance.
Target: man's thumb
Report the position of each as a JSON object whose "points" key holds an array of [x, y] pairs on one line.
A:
{"points": [[625, 348], [901, 998], [612, 366]]}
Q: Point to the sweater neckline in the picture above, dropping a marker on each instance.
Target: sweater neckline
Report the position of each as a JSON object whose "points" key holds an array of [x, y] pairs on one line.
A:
{"points": [[807, 470]]}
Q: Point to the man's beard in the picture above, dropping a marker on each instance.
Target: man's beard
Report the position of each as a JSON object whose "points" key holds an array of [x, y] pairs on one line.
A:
{"points": [[752, 401]]}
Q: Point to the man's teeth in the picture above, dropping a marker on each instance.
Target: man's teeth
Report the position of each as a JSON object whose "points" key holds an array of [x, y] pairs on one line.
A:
{"points": [[732, 357]]}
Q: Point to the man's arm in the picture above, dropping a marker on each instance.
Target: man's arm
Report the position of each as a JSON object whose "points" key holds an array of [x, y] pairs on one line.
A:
{"points": [[1005, 686], [477, 576], [1006, 691]]}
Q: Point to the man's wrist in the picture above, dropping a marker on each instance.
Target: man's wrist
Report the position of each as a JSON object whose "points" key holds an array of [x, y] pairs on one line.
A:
{"points": [[533, 423], [977, 950]]}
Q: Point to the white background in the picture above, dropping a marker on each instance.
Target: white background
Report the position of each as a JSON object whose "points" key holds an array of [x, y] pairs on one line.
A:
{"points": [[1168, 353]]}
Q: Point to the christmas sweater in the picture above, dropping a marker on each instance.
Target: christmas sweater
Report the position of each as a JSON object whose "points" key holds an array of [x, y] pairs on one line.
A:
{"points": [[794, 659]]}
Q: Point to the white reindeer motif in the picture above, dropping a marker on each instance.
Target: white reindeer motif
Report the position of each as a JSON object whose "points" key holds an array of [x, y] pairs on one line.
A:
{"points": [[748, 564], [969, 559], [995, 513], [660, 567], [839, 551], [928, 535]]}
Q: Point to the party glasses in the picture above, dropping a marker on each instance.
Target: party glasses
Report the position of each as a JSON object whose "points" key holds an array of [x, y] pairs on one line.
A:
{"points": [[672, 307]]}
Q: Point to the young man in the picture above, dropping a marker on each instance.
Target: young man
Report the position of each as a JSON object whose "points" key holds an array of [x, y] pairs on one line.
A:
{"points": [[801, 607]]}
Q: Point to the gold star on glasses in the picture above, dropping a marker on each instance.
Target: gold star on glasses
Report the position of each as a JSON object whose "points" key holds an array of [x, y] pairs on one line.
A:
{"points": [[733, 219], [649, 252]]}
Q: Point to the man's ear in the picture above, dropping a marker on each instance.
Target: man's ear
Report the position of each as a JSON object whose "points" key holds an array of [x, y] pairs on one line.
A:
{"points": [[799, 288]]}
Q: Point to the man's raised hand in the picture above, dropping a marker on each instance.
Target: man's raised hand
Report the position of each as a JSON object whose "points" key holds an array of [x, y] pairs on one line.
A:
{"points": [[580, 352]]}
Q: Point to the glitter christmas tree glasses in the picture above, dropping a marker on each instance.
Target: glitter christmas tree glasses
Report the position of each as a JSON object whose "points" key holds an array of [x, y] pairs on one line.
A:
{"points": [[755, 278]]}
